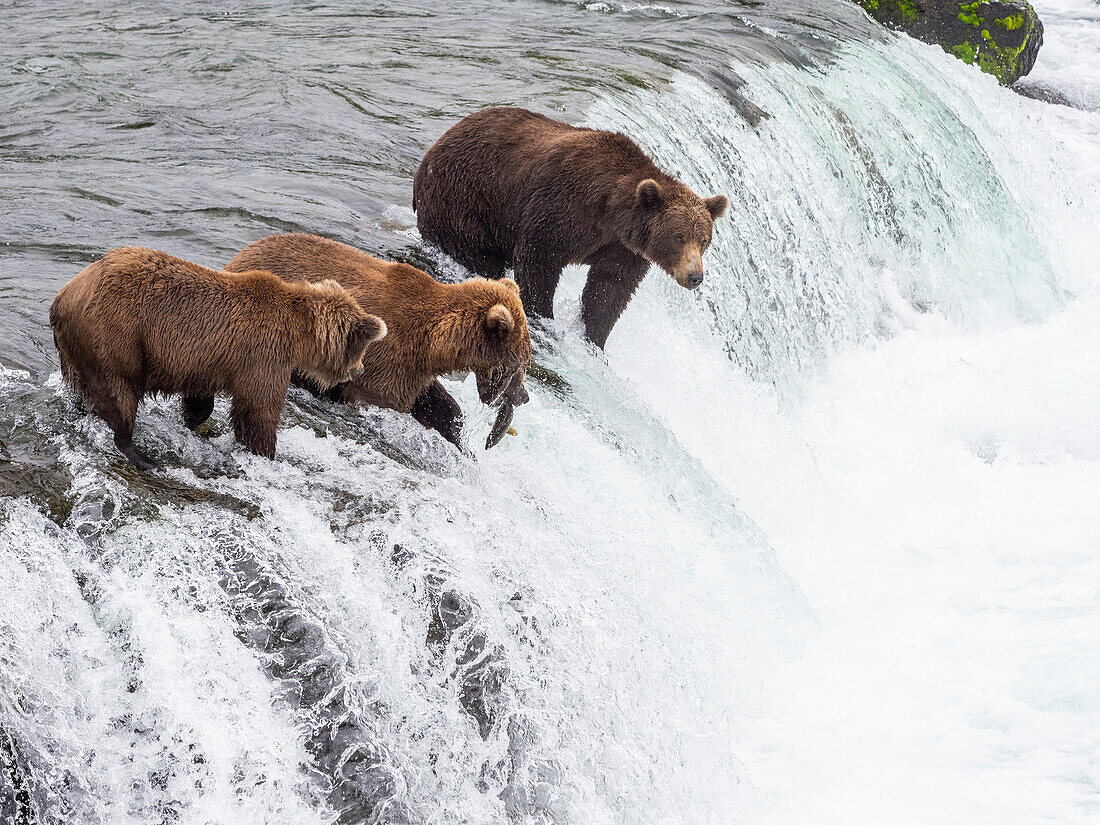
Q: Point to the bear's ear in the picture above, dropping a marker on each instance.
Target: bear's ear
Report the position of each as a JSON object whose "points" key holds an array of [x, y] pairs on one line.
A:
{"points": [[367, 331], [499, 322], [649, 194], [717, 206], [512, 285], [374, 328]]}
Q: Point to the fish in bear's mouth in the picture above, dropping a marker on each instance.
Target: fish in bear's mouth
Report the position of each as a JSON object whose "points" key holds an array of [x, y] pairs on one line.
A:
{"points": [[504, 383], [508, 392]]}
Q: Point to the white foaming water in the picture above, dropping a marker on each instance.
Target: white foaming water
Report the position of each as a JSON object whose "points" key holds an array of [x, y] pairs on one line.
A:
{"points": [[936, 495], [610, 697], [1069, 61], [817, 544]]}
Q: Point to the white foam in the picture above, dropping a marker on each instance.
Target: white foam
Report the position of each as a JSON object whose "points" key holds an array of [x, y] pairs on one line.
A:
{"points": [[1069, 60], [933, 493], [864, 592]]}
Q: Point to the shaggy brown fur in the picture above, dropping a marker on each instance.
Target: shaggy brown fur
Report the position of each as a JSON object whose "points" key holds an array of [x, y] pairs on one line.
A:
{"points": [[478, 326], [510, 188], [139, 321]]}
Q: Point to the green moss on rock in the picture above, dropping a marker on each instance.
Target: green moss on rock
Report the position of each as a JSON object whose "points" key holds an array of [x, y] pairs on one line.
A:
{"points": [[1001, 36], [968, 14], [902, 9], [964, 51]]}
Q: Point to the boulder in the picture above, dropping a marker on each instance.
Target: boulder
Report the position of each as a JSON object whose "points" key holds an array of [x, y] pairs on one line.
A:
{"points": [[1002, 37]]}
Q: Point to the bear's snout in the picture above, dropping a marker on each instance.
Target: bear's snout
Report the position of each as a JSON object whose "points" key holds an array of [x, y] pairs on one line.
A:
{"points": [[689, 278], [688, 271]]}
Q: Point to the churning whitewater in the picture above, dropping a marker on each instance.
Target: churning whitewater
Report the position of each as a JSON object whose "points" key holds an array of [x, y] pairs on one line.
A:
{"points": [[818, 543]]}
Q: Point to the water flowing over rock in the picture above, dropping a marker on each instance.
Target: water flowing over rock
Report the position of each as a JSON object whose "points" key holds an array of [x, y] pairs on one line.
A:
{"points": [[815, 543], [1003, 38]]}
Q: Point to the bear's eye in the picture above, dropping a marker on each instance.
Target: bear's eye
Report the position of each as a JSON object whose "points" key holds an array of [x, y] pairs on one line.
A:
{"points": [[680, 238]]}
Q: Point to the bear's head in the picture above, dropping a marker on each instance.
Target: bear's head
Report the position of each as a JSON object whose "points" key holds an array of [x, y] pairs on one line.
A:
{"points": [[672, 227], [342, 331], [486, 334]]}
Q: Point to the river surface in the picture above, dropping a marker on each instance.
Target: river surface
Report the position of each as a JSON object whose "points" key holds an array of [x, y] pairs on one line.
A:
{"points": [[818, 543]]}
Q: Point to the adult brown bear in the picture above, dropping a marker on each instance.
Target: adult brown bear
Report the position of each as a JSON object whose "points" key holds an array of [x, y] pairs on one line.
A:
{"points": [[434, 329], [508, 188], [138, 322]]}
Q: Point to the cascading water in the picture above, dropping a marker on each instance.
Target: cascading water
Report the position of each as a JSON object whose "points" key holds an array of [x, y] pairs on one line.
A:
{"points": [[814, 544]]}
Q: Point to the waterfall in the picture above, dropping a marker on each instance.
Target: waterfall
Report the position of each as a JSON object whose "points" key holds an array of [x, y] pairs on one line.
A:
{"points": [[815, 543]]}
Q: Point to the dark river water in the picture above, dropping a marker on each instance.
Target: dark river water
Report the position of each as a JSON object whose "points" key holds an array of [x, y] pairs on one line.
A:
{"points": [[173, 126]]}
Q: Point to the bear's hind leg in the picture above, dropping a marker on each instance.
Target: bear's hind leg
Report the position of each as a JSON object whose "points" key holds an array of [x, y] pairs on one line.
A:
{"points": [[116, 402], [537, 276], [196, 410]]}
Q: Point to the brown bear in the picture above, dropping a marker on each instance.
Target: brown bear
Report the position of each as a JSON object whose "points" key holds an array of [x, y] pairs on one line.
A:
{"points": [[434, 328], [508, 188], [138, 322]]}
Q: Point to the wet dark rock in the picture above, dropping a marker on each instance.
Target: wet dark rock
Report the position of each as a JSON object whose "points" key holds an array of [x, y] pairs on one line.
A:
{"points": [[480, 669], [347, 754], [313, 672], [550, 379], [1046, 94], [18, 802], [34, 471], [481, 672], [730, 85], [1002, 38]]}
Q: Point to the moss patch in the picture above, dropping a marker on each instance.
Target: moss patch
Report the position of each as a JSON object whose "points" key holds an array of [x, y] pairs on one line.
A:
{"points": [[963, 51], [891, 9], [1002, 37], [968, 14]]}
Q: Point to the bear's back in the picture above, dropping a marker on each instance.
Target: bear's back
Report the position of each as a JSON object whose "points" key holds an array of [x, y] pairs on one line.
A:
{"points": [[380, 287], [184, 322]]}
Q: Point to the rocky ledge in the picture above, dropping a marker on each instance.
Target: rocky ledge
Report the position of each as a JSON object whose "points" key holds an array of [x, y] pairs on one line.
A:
{"points": [[1003, 38]]}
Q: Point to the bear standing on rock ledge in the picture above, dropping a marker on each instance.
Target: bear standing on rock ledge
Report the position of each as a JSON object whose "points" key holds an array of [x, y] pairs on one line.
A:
{"points": [[139, 322], [434, 329], [508, 188]]}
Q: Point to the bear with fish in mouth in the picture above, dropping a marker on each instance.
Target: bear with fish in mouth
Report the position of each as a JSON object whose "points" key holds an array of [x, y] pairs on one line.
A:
{"points": [[477, 326], [139, 321], [508, 188]]}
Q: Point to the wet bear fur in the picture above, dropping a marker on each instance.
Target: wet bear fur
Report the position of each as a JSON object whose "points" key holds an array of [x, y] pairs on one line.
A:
{"points": [[508, 188], [435, 329], [139, 321]]}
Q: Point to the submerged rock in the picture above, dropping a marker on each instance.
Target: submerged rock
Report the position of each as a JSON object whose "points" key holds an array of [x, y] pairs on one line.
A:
{"points": [[1002, 38]]}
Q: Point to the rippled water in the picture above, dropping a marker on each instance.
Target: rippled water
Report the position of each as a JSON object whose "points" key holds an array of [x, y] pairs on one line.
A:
{"points": [[814, 544], [171, 126]]}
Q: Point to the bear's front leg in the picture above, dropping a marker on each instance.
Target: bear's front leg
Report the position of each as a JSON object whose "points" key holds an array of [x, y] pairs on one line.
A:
{"points": [[115, 400], [255, 418], [613, 275], [437, 410]]}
